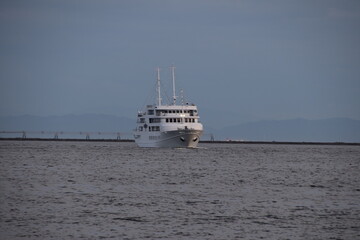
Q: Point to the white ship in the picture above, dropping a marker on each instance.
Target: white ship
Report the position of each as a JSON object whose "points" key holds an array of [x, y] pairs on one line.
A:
{"points": [[168, 125]]}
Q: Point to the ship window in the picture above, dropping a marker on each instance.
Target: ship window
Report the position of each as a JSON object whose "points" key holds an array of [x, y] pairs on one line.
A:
{"points": [[154, 137], [154, 120], [151, 112], [154, 128], [179, 120]]}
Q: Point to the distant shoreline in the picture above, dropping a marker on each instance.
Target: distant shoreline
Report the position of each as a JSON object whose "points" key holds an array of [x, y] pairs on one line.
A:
{"points": [[219, 142]]}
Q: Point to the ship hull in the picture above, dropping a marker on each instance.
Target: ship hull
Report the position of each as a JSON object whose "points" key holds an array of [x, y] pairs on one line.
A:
{"points": [[170, 139]]}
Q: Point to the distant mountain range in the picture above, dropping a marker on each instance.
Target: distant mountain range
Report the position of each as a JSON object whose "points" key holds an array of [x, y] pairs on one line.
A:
{"points": [[70, 123], [303, 130]]}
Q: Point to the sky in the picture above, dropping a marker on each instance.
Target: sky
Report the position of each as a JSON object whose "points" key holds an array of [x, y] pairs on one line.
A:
{"points": [[238, 60]]}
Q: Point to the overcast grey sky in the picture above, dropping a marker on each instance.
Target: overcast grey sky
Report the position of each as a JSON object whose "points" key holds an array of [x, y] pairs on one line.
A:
{"points": [[246, 60]]}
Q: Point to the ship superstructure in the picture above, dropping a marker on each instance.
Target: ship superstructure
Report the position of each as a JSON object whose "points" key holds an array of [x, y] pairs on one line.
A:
{"points": [[168, 125]]}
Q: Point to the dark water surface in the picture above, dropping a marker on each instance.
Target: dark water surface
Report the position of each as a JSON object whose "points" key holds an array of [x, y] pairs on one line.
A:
{"points": [[103, 190]]}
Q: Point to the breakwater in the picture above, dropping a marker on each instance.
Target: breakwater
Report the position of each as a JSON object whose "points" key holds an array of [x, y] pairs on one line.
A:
{"points": [[216, 141]]}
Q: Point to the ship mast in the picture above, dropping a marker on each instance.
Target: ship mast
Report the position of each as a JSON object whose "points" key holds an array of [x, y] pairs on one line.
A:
{"points": [[158, 87], [173, 83]]}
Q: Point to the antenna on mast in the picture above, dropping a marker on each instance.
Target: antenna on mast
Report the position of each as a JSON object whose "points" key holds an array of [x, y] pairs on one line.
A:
{"points": [[158, 87], [173, 83]]}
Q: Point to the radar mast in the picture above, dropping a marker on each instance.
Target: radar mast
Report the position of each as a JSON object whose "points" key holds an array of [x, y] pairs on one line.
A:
{"points": [[158, 87], [173, 83]]}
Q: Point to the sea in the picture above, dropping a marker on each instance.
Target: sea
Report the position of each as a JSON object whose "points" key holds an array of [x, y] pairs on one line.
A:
{"points": [[115, 190]]}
